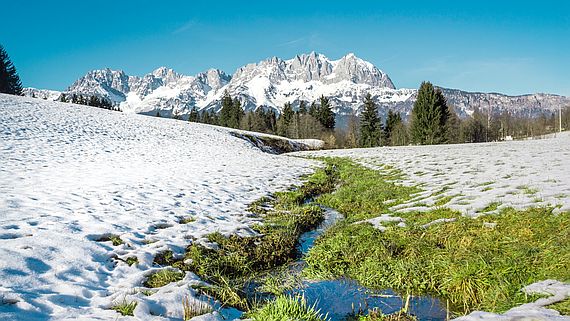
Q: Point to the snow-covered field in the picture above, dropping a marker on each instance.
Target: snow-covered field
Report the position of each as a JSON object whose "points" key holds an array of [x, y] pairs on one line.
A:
{"points": [[518, 174], [70, 174]]}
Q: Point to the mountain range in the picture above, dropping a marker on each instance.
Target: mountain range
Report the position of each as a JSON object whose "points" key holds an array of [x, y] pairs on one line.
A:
{"points": [[273, 82]]}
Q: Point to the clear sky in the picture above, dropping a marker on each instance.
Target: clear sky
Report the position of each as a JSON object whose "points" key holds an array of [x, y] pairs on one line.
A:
{"points": [[513, 47]]}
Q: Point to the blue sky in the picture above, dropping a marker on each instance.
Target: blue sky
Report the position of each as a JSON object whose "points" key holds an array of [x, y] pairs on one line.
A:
{"points": [[513, 47]]}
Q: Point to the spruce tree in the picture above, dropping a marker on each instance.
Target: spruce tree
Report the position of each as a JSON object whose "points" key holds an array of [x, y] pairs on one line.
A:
{"points": [[226, 111], [193, 117], [9, 80], [325, 113], [370, 126], [302, 107], [429, 116], [392, 120]]}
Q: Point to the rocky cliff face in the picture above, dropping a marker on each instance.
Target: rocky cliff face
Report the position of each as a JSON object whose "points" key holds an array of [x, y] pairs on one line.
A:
{"points": [[273, 82]]}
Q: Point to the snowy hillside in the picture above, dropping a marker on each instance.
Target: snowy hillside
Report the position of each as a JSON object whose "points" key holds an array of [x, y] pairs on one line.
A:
{"points": [[275, 81], [70, 175]]}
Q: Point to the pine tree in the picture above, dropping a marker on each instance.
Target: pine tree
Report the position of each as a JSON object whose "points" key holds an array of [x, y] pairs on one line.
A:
{"points": [[325, 113], [429, 116], [370, 126], [9, 80]]}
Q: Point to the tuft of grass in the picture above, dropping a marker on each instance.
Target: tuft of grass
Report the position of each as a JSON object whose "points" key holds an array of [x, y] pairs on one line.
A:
{"points": [[113, 238], [490, 207], [147, 292], [194, 309], [443, 200], [287, 308], [124, 307], [186, 220], [376, 315], [563, 307], [527, 189], [162, 278], [131, 260]]}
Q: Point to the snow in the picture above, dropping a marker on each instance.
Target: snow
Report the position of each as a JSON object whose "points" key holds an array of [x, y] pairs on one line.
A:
{"points": [[518, 174], [555, 291], [70, 174]]}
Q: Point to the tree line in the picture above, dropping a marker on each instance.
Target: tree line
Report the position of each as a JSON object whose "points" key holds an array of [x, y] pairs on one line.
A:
{"points": [[432, 121], [88, 100]]}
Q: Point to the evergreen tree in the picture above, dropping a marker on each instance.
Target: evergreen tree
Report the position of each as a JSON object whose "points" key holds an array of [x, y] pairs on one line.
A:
{"points": [[370, 126], [302, 107], [237, 114], [63, 98], [453, 127], [392, 119], [9, 80], [226, 111], [193, 116], [314, 110], [429, 116], [325, 113]]}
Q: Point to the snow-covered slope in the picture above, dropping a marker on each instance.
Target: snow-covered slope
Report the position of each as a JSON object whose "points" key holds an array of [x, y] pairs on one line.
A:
{"points": [[273, 82], [70, 174]]}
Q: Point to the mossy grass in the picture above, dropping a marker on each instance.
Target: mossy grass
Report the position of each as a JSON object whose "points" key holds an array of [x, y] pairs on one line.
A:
{"points": [[563, 307], [362, 192], [465, 262], [124, 307], [163, 277], [284, 215], [287, 308]]}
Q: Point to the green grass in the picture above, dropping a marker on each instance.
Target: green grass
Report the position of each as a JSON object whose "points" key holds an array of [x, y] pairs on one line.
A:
{"points": [[194, 309], [131, 260], [376, 315], [124, 307], [491, 207], [285, 216], [114, 239], [363, 191], [563, 307], [470, 265], [443, 200], [163, 277], [287, 308], [187, 219]]}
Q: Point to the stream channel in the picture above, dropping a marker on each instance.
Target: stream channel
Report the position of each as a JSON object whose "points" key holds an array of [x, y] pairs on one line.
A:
{"points": [[342, 297]]}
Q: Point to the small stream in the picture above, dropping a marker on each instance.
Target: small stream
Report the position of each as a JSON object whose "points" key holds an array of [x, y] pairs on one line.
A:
{"points": [[341, 297]]}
